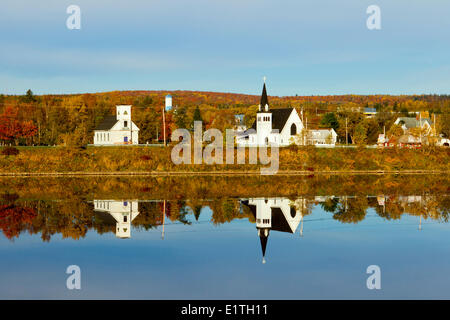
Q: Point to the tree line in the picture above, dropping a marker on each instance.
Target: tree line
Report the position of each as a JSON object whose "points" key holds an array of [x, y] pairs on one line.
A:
{"points": [[70, 119]]}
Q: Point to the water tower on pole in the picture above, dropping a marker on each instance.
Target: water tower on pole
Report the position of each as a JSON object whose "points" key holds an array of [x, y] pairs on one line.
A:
{"points": [[167, 107], [168, 102]]}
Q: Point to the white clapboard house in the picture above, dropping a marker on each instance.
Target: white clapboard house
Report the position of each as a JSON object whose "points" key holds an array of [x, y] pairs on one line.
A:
{"points": [[277, 126], [117, 129]]}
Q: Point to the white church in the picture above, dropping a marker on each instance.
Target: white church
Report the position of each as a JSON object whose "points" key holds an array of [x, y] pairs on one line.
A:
{"points": [[277, 126], [117, 129], [123, 213], [276, 214]]}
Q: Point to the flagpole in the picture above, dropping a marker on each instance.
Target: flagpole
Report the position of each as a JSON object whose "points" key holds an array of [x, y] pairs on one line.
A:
{"points": [[164, 217], [164, 124]]}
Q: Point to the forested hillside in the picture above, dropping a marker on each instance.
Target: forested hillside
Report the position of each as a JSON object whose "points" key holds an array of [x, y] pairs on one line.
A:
{"points": [[70, 119]]}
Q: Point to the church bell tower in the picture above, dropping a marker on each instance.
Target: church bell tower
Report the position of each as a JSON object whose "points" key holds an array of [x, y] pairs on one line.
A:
{"points": [[263, 118]]}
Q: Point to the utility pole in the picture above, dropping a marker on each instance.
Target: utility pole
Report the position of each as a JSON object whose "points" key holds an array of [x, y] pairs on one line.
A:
{"points": [[131, 129], [434, 124], [164, 217], [307, 142], [346, 133], [164, 124], [420, 126]]}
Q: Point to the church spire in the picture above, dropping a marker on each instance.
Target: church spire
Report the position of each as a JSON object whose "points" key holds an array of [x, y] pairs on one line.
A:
{"points": [[263, 246], [263, 236], [264, 100]]}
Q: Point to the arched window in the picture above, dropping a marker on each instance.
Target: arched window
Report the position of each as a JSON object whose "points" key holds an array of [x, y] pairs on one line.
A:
{"points": [[267, 141], [125, 113], [293, 129], [293, 212]]}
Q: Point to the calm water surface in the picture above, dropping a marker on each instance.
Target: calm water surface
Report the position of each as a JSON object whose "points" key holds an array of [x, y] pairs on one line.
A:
{"points": [[308, 247]]}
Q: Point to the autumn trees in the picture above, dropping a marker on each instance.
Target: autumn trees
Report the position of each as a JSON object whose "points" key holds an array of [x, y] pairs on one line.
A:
{"points": [[13, 129], [70, 119]]}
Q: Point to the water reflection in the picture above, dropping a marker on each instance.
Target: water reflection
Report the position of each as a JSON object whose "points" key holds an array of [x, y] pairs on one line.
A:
{"points": [[72, 218], [277, 214], [121, 212]]}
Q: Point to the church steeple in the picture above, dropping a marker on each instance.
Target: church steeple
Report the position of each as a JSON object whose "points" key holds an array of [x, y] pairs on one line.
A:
{"points": [[264, 100], [263, 234], [264, 103]]}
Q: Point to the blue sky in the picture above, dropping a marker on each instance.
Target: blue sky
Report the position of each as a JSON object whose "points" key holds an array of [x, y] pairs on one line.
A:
{"points": [[315, 47]]}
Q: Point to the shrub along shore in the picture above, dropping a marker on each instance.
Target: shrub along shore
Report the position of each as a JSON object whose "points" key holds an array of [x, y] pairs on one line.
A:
{"points": [[157, 161]]}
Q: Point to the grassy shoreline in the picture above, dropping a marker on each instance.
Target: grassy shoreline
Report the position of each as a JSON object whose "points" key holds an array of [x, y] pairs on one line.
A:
{"points": [[157, 161], [221, 173]]}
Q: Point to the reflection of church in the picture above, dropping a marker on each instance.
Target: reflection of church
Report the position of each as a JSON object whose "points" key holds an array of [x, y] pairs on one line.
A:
{"points": [[120, 212], [277, 214]]}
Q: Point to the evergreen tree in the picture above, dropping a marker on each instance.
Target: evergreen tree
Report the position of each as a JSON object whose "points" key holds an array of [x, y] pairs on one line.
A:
{"points": [[329, 120], [180, 118], [29, 96], [197, 117]]}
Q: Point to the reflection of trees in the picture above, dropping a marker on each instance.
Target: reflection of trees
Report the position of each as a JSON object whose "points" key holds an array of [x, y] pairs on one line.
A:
{"points": [[150, 215], [351, 210], [392, 210], [73, 218], [196, 206], [176, 211], [428, 207], [13, 219], [225, 210], [330, 205]]}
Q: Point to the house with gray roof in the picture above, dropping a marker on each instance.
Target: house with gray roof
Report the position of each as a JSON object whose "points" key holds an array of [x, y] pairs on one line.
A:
{"points": [[410, 122], [322, 137]]}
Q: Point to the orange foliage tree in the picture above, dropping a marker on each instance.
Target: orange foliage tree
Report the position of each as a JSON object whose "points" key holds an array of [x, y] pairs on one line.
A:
{"points": [[14, 219], [12, 129]]}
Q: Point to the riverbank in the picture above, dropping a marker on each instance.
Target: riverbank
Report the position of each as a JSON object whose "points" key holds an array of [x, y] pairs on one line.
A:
{"points": [[157, 161], [207, 187], [220, 173]]}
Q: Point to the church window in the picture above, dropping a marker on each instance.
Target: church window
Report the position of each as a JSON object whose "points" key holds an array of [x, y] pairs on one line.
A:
{"points": [[293, 212], [125, 218], [125, 113], [293, 129], [125, 124]]}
